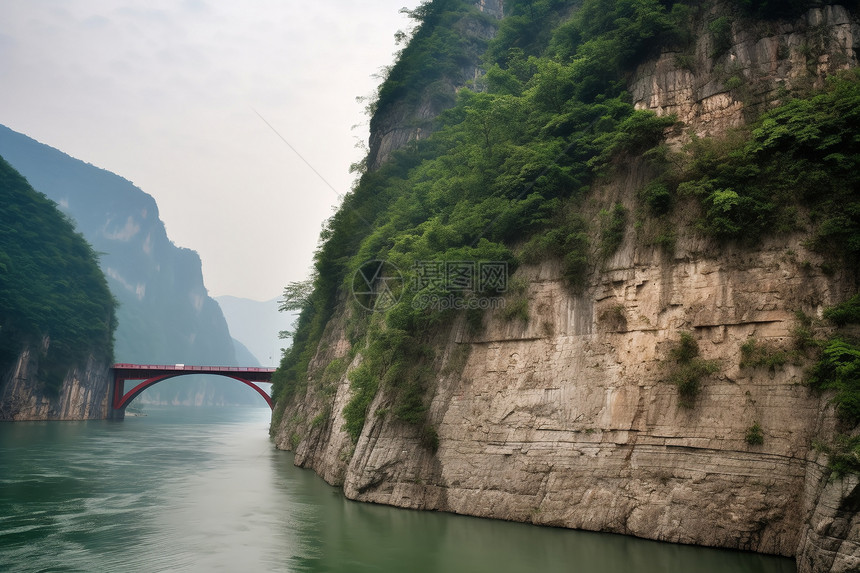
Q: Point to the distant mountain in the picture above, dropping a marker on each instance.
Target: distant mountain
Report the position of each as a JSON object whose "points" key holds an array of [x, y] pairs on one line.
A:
{"points": [[165, 313], [243, 355], [257, 324]]}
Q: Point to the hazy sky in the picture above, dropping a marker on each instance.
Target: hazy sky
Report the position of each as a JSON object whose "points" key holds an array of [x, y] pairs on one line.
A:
{"points": [[166, 94]]}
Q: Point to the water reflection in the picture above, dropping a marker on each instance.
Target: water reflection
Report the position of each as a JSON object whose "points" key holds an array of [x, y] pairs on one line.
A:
{"points": [[341, 535]]}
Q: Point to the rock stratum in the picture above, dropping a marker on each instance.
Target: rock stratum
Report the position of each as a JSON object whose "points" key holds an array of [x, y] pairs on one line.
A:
{"points": [[567, 420], [86, 392]]}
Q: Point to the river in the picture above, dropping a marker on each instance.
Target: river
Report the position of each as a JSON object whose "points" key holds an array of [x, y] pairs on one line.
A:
{"points": [[197, 489]]}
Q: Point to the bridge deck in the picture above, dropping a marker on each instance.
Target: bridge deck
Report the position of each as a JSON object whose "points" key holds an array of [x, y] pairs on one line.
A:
{"points": [[143, 371]]}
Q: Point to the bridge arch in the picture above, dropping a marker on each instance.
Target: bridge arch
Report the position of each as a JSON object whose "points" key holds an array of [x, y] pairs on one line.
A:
{"points": [[151, 375]]}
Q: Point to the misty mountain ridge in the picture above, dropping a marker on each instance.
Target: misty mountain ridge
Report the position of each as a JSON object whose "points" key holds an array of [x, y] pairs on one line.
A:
{"points": [[257, 325], [166, 314]]}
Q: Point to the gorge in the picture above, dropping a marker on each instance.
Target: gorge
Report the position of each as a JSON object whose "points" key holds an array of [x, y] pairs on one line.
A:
{"points": [[165, 314]]}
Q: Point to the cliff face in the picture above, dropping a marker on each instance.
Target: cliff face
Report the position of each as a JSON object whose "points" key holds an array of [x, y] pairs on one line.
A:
{"points": [[406, 120], [762, 64], [829, 539], [57, 315], [86, 393], [566, 419]]}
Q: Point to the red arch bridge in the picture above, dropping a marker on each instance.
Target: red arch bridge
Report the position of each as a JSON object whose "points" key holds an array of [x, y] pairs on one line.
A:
{"points": [[149, 374]]}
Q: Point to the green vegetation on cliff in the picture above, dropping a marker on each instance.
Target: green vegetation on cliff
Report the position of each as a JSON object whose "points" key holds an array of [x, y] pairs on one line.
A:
{"points": [[436, 53], [51, 287], [836, 371], [509, 162], [686, 369], [796, 167], [507, 173]]}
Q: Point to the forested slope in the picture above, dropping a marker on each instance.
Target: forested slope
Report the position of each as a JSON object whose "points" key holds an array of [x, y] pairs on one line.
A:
{"points": [[54, 299]]}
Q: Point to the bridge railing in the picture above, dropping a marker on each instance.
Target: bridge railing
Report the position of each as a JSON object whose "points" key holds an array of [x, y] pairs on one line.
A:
{"points": [[190, 368]]}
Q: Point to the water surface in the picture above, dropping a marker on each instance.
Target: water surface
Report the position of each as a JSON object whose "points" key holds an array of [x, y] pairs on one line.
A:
{"points": [[185, 489]]}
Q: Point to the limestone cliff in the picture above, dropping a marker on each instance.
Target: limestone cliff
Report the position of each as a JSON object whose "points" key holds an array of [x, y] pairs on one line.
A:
{"points": [[763, 63], [400, 120], [85, 394], [566, 419], [57, 315], [828, 538]]}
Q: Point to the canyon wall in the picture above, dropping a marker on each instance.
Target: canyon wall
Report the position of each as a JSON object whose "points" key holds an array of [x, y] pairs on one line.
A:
{"points": [[764, 63], [567, 419], [86, 393], [829, 539]]}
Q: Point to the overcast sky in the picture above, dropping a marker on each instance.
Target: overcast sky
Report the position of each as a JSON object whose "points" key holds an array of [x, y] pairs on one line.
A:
{"points": [[166, 94]]}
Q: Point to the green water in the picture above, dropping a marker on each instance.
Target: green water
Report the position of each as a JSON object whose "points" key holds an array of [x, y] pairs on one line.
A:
{"points": [[187, 489]]}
